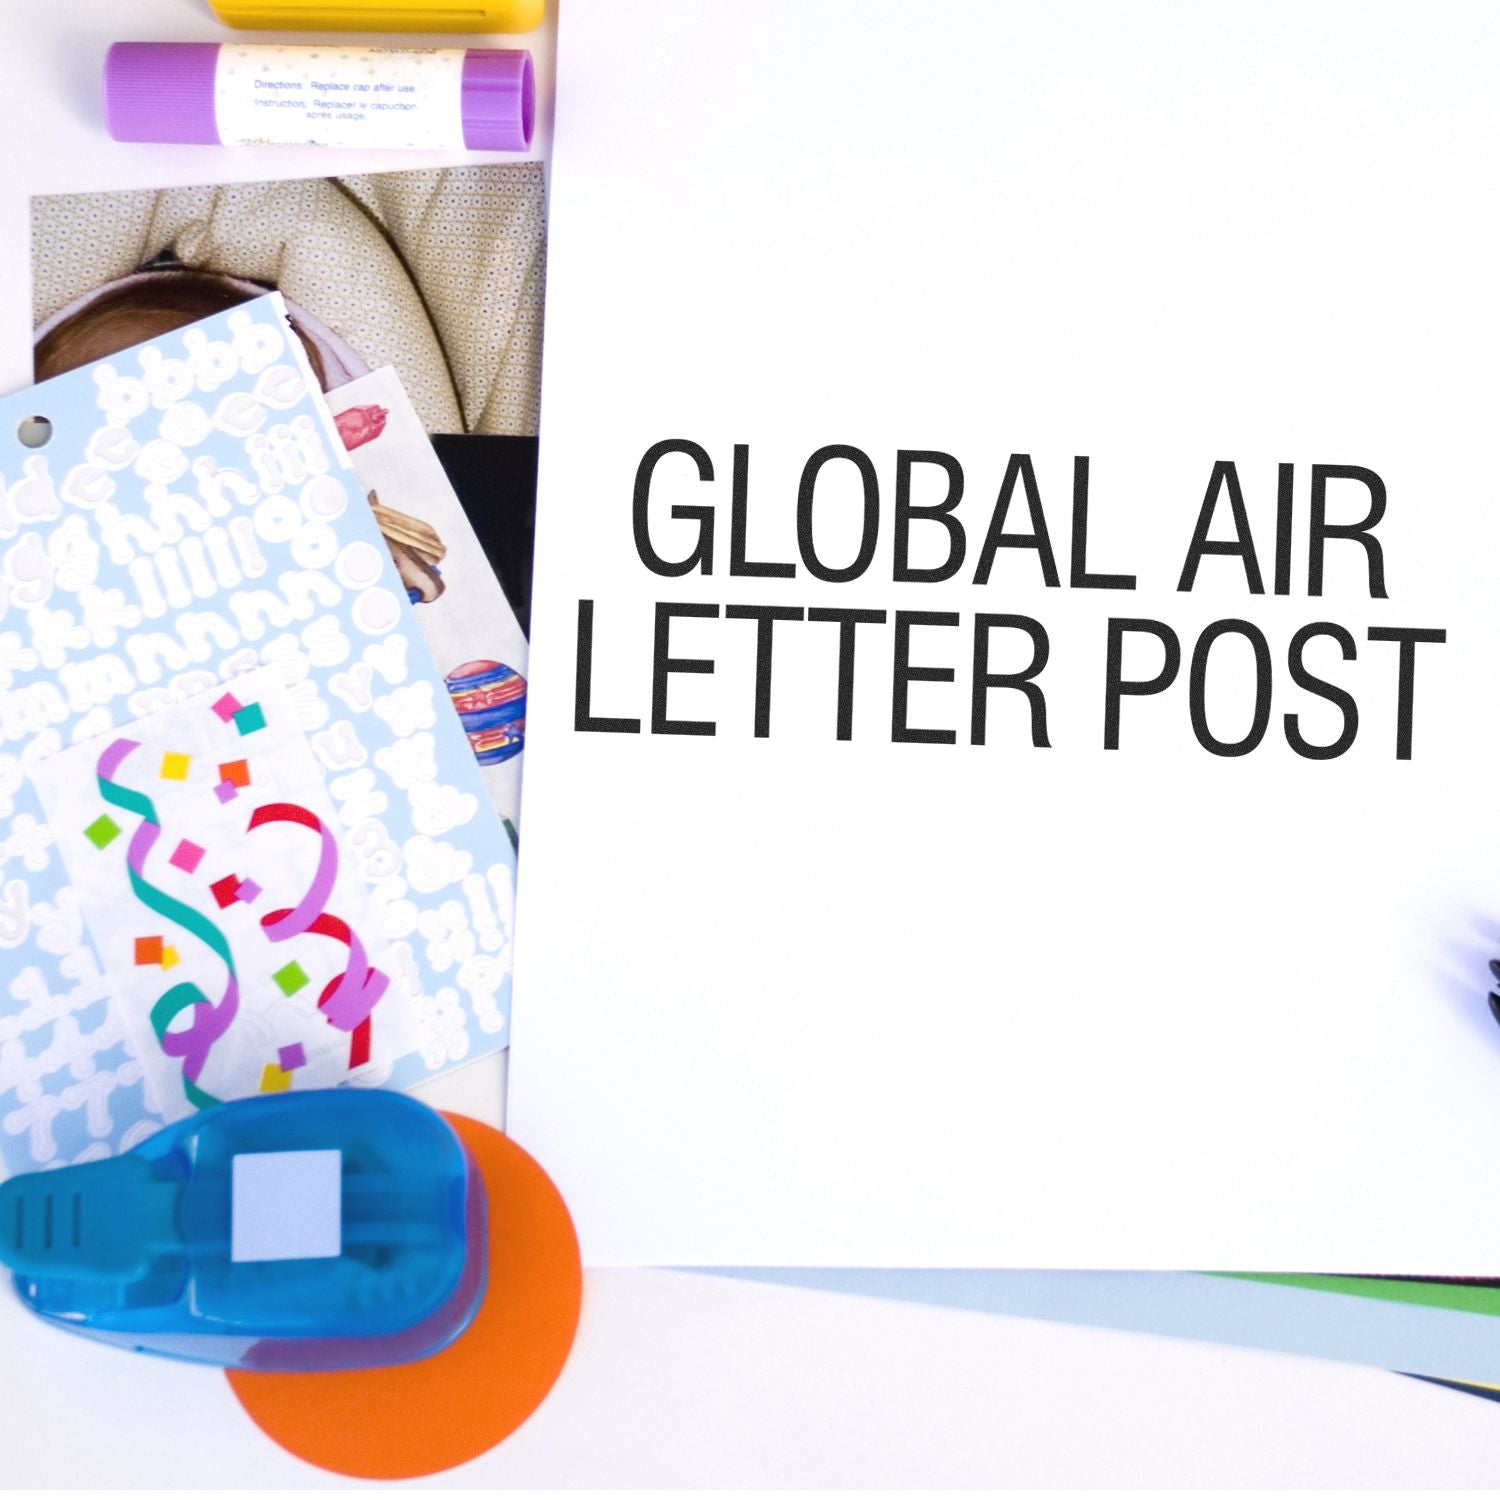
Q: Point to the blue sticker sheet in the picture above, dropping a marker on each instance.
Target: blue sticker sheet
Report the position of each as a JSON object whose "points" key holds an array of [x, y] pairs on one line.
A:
{"points": [[244, 842]]}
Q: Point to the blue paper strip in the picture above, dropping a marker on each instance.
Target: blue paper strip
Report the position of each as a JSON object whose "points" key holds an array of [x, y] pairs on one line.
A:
{"points": [[1287, 1320]]}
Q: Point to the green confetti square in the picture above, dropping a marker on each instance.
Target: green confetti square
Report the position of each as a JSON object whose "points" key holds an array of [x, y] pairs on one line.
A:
{"points": [[102, 832], [250, 718], [290, 978]]}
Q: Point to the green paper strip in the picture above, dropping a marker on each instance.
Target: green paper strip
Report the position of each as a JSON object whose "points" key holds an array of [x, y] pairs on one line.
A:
{"points": [[1451, 1296]]}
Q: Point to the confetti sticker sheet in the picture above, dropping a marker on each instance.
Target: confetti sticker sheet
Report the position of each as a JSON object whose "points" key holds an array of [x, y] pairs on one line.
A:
{"points": [[243, 948], [244, 844]]}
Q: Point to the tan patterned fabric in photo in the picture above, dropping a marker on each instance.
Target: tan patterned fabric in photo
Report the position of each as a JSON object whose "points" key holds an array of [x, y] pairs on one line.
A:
{"points": [[439, 273]]}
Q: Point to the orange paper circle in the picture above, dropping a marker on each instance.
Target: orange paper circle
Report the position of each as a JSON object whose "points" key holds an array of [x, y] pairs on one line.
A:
{"points": [[410, 1420]]}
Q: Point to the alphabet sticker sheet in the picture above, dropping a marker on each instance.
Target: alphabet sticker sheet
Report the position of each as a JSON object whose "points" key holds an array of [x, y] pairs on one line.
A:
{"points": [[244, 843]]}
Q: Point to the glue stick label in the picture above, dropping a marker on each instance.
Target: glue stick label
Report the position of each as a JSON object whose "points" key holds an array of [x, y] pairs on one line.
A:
{"points": [[340, 96]]}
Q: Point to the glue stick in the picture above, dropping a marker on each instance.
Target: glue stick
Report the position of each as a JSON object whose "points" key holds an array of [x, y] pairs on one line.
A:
{"points": [[421, 98]]}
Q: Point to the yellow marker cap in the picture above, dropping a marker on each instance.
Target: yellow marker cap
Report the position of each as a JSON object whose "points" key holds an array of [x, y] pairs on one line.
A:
{"points": [[382, 15]]}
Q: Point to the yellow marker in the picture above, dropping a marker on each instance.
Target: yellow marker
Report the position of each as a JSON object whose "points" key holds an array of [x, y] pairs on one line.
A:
{"points": [[174, 766], [382, 15], [169, 957], [274, 1079]]}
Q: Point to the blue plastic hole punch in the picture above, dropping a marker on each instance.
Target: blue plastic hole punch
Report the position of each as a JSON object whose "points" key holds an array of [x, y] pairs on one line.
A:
{"points": [[327, 1230]]}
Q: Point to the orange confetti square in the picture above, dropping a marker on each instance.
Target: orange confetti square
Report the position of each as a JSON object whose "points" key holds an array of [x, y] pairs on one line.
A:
{"points": [[148, 950], [235, 772]]}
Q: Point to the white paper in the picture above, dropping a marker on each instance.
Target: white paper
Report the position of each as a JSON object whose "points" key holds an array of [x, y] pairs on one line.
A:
{"points": [[797, 1000]]}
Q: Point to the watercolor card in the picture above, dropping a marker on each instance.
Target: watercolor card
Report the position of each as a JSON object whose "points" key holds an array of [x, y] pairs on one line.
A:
{"points": [[468, 622]]}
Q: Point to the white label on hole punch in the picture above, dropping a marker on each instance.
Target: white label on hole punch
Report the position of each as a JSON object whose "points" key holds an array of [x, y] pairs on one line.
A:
{"points": [[286, 1205], [340, 96]]}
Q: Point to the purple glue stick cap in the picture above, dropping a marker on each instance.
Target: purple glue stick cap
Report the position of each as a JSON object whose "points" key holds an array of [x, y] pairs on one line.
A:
{"points": [[161, 91], [499, 100]]}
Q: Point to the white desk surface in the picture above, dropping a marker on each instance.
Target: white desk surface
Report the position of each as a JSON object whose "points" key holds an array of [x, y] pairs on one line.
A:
{"points": [[677, 1379]]}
